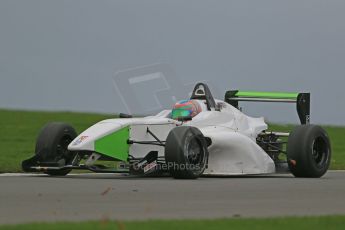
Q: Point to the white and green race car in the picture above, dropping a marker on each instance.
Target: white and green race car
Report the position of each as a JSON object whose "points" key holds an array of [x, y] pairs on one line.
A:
{"points": [[200, 136]]}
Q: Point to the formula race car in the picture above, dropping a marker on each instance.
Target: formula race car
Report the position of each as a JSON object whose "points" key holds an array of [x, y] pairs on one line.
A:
{"points": [[199, 136]]}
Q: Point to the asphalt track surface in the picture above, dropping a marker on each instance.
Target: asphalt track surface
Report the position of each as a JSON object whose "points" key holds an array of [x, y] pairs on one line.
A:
{"points": [[36, 198]]}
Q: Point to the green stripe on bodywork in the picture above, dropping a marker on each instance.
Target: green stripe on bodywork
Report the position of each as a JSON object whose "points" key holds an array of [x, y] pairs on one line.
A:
{"points": [[269, 95], [114, 145]]}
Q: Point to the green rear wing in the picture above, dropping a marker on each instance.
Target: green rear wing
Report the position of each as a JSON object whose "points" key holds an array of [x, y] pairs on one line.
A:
{"points": [[302, 100]]}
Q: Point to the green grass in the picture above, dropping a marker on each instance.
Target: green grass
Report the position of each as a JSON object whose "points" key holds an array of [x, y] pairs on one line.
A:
{"points": [[19, 130], [314, 223]]}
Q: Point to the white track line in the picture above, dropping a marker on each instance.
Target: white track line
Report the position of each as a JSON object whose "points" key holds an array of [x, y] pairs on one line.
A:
{"points": [[81, 174], [42, 174], [18, 174]]}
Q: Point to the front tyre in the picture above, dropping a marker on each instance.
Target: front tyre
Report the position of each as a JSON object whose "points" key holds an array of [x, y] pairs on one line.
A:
{"points": [[186, 152], [52, 143], [308, 151]]}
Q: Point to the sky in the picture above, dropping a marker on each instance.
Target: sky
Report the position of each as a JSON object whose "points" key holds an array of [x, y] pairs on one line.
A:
{"points": [[71, 55]]}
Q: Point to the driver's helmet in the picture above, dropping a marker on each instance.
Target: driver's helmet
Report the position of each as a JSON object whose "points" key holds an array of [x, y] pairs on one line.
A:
{"points": [[186, 108]]}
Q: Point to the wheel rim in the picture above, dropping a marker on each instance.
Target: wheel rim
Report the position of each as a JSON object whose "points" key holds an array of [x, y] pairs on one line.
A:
{"points": [[194, 151], [62, 148], [320, 152]]}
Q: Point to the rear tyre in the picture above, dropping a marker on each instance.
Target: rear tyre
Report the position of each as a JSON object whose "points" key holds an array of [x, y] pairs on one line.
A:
{"points": [[52, 143], [186, 152], [308, 151]]}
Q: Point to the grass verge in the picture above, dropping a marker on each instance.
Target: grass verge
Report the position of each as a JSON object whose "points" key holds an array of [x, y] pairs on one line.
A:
{"points": [[315, 223], [19, 130]]}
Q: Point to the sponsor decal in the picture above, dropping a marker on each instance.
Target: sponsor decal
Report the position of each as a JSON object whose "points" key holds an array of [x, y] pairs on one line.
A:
{"points": [[150, 167], [80, 140]]}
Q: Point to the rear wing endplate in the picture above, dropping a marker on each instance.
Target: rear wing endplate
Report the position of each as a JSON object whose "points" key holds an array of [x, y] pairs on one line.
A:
{"points": [[302, 100]]}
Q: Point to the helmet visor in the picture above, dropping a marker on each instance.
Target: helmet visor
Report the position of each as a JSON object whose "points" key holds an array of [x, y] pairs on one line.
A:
{"points": [[177, 113]]}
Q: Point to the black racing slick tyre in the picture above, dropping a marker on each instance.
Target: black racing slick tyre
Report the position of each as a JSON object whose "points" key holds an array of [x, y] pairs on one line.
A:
{"points": [[52, 143], [186, 152], [309, 151]]}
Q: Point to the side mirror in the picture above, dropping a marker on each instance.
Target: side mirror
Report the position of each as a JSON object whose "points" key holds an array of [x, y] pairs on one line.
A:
{"points": [[184, 119]]}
